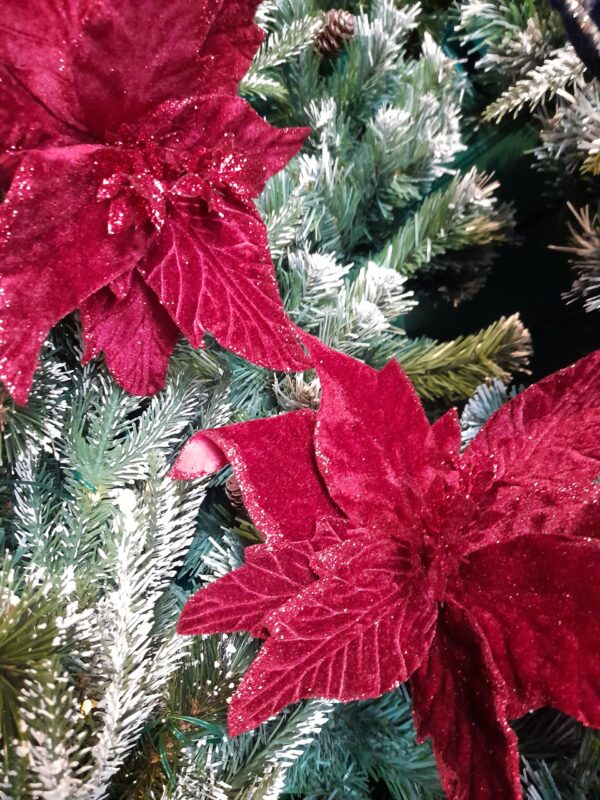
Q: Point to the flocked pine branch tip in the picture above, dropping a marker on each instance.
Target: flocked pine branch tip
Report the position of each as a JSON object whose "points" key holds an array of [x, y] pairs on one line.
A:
{"points": [[585, 251]]}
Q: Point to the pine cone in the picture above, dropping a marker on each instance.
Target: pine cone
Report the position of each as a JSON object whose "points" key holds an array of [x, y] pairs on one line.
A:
{"points": [[339, 26], [233, 492]]}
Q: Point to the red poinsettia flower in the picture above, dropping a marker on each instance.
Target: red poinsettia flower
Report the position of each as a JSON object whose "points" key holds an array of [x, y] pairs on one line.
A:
{"points": [[132, 167], [389, 557]]}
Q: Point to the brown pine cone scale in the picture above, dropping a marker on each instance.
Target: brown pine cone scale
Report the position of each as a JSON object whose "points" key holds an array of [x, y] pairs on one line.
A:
{"points": [[338, 28], [233, 492]]}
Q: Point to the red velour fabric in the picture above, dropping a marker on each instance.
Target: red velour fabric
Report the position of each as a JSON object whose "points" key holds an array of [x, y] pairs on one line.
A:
{"points": [[126, 149], [473, 576], [301, 499]]}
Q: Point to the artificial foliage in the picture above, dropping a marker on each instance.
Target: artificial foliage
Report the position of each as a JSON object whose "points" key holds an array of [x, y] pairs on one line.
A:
{"points": [[377, 205], [536, 65], [388, 557], [145, 234], [133, 165], [338, 27], [96, 685], [383, 203]]}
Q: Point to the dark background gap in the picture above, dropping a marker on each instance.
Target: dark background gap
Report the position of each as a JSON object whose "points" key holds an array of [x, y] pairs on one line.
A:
{"points": [[526, 277]]}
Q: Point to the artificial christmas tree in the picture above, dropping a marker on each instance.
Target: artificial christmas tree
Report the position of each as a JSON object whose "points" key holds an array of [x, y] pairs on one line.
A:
{"points": [[103, 698]]}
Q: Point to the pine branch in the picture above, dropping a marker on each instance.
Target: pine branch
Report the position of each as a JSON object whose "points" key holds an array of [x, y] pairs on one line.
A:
{"points": [[280, 48], [487, 399], [30, 638], [461, 215], [372, 740], [104, 437], [570, 135], [40, 420], [508, 38], [109, 552], [148, 547], [53, 735], [569, 776], [585, 247], [453, 370], [562, 69], [275, 751]]}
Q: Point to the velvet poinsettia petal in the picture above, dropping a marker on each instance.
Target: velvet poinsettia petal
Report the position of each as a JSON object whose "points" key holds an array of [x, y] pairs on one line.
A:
{"points": [[36, 39], [231, 42], [54, 252], [573, 509], [446, 434], [331, 531], [38, 105], [536, 600], [230, 45], [287, 506], [543, 439], [134, 332], [246, 150], [25, 123], [351, 635], [200, 458], [459, 701], [241, 600], [212, 271], [132, 56], [374, 442], [546, 433], [121, 285]]}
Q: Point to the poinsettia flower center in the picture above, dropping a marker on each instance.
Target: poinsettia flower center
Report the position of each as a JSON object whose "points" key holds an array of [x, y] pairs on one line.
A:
{"points": [[444, 516], [134, 198], [439, 562], [151, 178]]}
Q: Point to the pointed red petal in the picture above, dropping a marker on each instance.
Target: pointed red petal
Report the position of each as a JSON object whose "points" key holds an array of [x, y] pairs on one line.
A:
{"points": [[458, 700], [247, 150], [546, 434], [54, 252], [530, 467], [25, 123], [132, 56], [446, 434], [35, 47], [135, 333], [572, 510], [351, 635], [241, 600], [373, 438], [121, 286], [288, 506], [231, 42], [213, 271], [537, 601], [38, 104]]}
